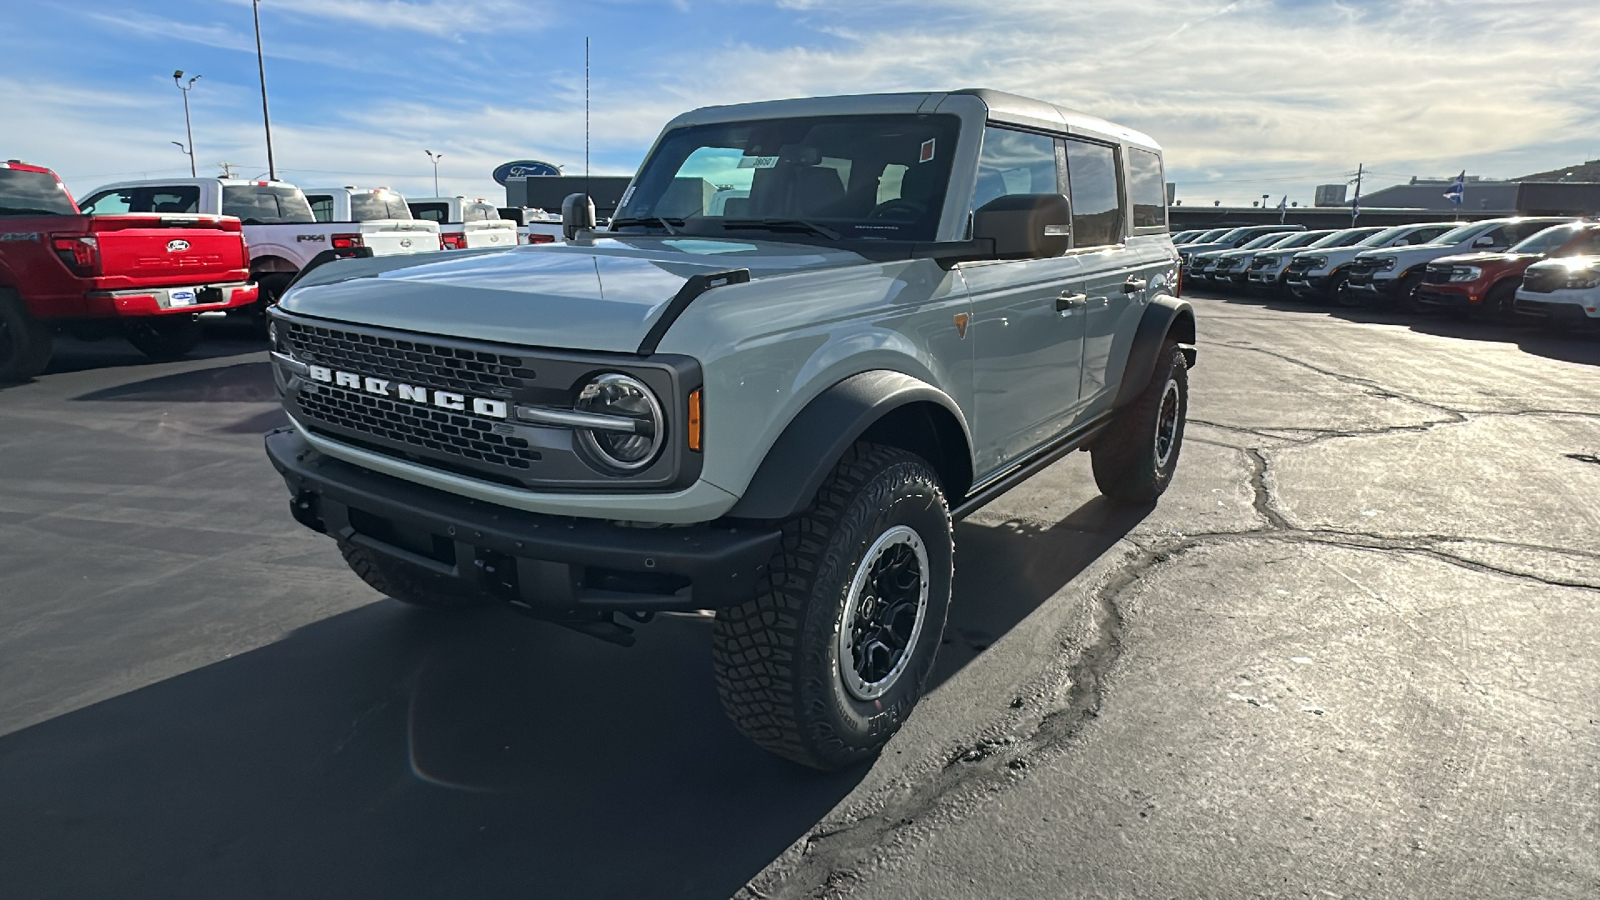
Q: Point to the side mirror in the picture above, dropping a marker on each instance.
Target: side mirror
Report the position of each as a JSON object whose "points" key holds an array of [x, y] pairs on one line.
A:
{"points": [[577, 214], [1025, 226], [1485, 241]]}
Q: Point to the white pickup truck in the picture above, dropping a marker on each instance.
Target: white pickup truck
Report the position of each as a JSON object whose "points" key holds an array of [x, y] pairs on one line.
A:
{"points": [[534, 226], [378, 218], [278, 225], [465, 224]]}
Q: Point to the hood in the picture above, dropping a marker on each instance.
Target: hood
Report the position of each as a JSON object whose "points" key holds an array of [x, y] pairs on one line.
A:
{"points": [[603, 294], [1479, 258]]}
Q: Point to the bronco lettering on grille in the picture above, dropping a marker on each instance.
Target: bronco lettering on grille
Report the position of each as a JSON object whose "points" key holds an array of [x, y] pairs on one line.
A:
{"points": [[481, 406]]}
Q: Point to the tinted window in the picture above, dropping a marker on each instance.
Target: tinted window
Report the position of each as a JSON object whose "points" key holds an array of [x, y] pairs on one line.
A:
{"points": [[879, 177], [1518, 231], [1096, 203], [431, 212], [174, 199], [1588, 246], [1015, 162], [370, 206], [321, 207], [1147, 189], [266, 204], [1548, 239], [32, 193]]}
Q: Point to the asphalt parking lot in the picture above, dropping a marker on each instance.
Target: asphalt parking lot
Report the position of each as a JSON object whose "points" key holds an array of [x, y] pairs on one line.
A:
{"points": [[1352, 652]]}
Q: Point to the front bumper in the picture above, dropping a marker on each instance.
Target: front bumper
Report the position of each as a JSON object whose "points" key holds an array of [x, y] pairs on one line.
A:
{"points": [[1373, 287], [1574, 314], [1461, 295], [171, 301], [553, 566]]}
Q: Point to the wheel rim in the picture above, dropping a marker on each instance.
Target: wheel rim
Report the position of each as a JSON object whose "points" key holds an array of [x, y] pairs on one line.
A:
{"points": [[1167, 424], [883, 614]]}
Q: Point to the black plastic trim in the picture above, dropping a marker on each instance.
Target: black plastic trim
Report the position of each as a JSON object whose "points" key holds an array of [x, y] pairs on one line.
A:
{"points": [[562, 565], [796, 465], [1031, 465], [1159, 317], [692, 288]]}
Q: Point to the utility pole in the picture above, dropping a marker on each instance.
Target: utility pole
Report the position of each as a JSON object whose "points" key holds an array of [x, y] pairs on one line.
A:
{"points": [[227, 169], [261, 67], [187, 126], [1355, 206], [435, 157]]}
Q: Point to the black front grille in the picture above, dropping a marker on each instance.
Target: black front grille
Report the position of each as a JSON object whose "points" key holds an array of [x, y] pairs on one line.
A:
{"points": [[433, 363], [1544, 281], [1364, 265], [1437, 275], [468, 437], [1299, 267]]}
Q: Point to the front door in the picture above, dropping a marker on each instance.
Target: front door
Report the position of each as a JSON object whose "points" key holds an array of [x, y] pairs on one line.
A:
{"points": [[1027, 316]]}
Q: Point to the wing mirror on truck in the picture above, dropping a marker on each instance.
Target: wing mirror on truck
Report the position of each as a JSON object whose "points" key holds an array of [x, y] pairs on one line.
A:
{"points": [[577, 214], [1025, 226]]}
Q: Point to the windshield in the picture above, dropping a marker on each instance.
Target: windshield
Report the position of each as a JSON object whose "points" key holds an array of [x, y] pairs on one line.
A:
{"points": [[369, 206], [1462, 233], [25, 193], [266, 204], [1347, 238], [1304, 239], [858, 177], [1548, 240], [1210, 236], [1265, 240], [1588, 245]]}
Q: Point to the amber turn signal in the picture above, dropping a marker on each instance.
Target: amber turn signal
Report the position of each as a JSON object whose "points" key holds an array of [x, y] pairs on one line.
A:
{"points": [[694, 420]]}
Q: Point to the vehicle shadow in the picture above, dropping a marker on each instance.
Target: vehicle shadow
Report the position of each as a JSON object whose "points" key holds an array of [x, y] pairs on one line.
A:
{"points": [[1576, 347], [249, 382], [387, 752]]}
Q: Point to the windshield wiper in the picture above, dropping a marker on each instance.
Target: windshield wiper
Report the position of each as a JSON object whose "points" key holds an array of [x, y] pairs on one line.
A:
{"points": [[663, 221], [784, 225]]}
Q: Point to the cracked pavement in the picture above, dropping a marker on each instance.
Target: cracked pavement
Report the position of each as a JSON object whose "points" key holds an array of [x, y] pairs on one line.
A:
{"points": [[1351, 653]]}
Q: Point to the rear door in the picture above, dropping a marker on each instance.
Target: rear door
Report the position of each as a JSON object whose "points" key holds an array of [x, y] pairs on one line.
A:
{"points": [[1116, 273], [1027, 315]]}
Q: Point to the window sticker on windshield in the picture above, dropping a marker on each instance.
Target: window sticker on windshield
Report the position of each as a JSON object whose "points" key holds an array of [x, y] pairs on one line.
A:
{"points": [[758, 162], [927, 151]]}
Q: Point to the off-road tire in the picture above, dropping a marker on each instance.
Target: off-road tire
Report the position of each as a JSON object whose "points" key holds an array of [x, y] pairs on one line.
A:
{"points": [[165, 337], [777, 656], [25, 342], [1129, 466], [403, 583]]}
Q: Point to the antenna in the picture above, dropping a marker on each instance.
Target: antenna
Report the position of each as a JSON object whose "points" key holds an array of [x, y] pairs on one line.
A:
{"points": [[586, 120]]}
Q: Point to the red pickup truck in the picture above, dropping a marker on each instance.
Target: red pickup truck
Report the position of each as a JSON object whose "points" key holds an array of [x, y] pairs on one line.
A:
{"points": [[145, 276]]}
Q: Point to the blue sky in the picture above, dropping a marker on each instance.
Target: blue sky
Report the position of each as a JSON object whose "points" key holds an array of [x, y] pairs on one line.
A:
{"points": [[1251, 97]]}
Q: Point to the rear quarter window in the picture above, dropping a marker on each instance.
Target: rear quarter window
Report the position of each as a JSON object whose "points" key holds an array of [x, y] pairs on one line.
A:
{"points": [[266, 204], [1147, 189], [431, 212]]}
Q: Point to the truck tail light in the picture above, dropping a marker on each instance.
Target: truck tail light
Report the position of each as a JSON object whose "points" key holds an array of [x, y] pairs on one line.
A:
{"points": [[346, 241], [541, 239], [80, 254], [452, 241]]}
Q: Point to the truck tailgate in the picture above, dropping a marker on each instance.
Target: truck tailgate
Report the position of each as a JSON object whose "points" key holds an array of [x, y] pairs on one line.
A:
{"points": [[388, 237], [155, 250]]}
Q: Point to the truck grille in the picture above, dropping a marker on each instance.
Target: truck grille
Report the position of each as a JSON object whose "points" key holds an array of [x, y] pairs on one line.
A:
{"points": [[437, 364], [1544, 281], [1437, 275], [1299, 267], [467, 437]]}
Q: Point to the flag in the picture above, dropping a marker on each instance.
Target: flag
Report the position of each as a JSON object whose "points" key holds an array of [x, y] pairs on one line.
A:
{"points": [[1458, 189], [1283, 209]]}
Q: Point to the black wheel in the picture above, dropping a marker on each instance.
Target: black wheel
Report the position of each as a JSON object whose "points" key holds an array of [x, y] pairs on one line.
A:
{"points": [[25, 342], [1345, 297], [409, 585], [1134, 461], [1501, 302], [165, 337], [825, 663], [1406, 297]]}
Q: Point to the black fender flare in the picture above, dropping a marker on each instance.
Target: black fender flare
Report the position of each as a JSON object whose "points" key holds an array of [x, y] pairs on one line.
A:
{"points": [[1166, 318], [813, 442]]}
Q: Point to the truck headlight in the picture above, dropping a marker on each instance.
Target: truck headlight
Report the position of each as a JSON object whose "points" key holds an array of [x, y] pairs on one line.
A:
{"points": [[1583, 280], [633, 437], [1387, 263], [1465, 273], [1315, 263]]}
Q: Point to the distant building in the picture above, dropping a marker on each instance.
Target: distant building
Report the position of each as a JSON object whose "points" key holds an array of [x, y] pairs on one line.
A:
{"points": [[1331, 195]]}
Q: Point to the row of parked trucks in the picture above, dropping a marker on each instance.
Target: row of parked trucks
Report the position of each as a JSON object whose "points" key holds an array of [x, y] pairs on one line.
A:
{"points": [[147, 260], [1534, 267]]}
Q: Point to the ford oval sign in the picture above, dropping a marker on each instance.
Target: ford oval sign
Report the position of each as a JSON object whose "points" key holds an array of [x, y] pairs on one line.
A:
{"points": [[524, 167]]}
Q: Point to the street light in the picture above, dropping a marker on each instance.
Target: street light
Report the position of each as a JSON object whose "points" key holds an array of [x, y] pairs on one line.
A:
{"points": [[435, 157], [261, 67], [177, 79]]}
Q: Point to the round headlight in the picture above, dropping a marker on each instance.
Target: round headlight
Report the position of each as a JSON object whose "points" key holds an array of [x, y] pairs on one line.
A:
{"points": [[633, 444]]}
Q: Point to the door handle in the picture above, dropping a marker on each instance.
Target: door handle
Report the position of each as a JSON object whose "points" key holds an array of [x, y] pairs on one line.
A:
{"points": [[1068, 302], [1134, 285]]}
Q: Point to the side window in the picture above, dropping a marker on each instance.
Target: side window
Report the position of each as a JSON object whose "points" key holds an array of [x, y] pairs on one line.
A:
{"points": [[174, 200], [1147, 189], [321, 207], [110, 203], [430, 212], [1015, 162], [1589, 245], [1096, 202]]}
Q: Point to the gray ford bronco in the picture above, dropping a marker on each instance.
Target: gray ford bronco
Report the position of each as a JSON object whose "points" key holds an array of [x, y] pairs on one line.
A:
{"points": [[816, 332]]}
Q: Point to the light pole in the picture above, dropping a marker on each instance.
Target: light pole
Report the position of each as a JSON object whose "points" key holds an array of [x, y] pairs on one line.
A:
{"points": [[435, 157], [261, 67], [187, 127]]}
